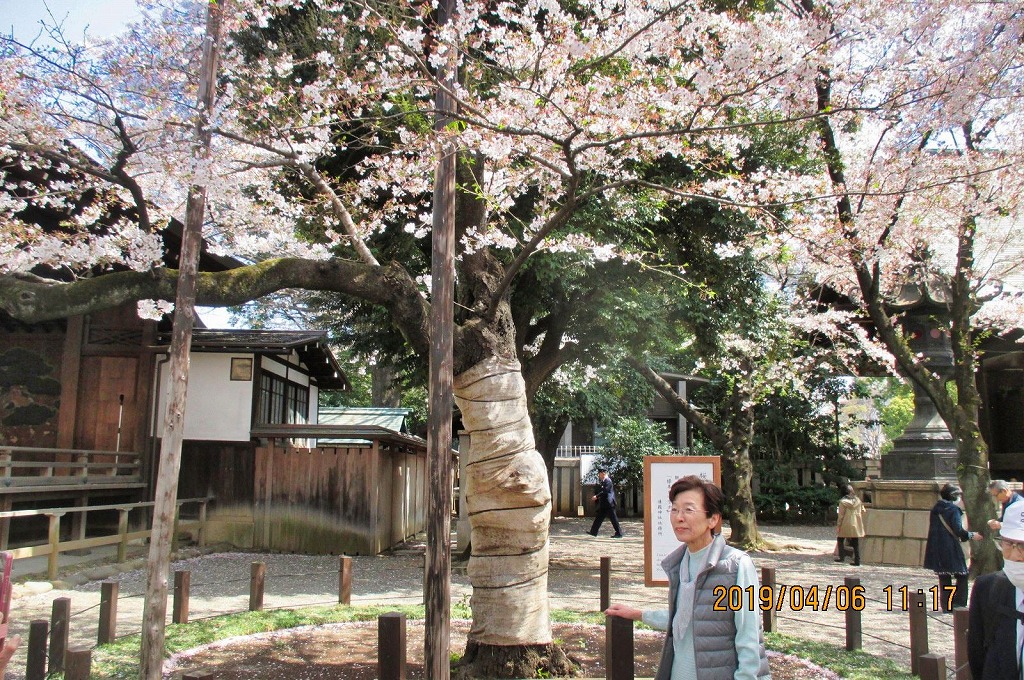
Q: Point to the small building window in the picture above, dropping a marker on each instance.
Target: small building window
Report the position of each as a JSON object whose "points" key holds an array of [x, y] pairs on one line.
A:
{"points": [[281, 401]]}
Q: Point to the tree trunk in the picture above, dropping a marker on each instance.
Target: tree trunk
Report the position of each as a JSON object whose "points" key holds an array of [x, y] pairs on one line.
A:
{"points": [[737, 474], [509, 503], [548, 433]]}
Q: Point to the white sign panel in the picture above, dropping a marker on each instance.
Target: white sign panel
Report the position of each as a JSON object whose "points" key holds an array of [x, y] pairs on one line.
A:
{"points": [[660, 472]]}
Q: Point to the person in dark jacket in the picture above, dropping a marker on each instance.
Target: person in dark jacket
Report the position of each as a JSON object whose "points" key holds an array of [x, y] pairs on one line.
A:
{"points": [[995, 633], [942, 552], [605, 498]]}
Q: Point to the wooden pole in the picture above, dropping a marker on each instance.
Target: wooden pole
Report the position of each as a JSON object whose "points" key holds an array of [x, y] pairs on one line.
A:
{"points": [[35, 666], [854, 623], [60, 614], [391, 646], [437, 590], [122, 530], [79, 662], [933, 667], [768, 618], [257, 581], [918, 631], [180, 607], [54, 541], [618, 648], [108, 613], [344, 579], [960, 617], [166, 495], [606, 583]]}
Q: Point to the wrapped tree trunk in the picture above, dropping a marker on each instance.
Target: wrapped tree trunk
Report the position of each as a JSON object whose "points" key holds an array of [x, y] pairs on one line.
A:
{"points": [[509, 503]]}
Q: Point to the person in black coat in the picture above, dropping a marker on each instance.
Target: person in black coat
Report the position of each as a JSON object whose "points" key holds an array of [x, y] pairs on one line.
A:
{"points": [[994, 645], [605, 498], [942, 552]]}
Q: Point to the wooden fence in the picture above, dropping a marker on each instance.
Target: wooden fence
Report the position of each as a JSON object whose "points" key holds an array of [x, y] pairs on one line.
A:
{"points": [[54, 546], [25, 469], [619, 643]]}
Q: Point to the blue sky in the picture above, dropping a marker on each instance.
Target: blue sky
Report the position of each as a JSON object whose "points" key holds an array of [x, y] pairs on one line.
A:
{"points": [[103, 17]]}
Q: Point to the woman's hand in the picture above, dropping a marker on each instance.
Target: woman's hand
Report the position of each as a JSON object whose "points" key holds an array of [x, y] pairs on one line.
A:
{"points": [[622, 611]]}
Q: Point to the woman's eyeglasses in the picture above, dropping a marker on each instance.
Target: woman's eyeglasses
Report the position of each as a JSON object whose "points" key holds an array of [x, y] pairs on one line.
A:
{"points": [[1009, 546]]}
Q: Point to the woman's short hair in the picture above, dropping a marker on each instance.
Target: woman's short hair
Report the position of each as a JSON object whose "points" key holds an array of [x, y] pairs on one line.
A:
{"points": [[714, 499], [949, 492], [847, 490]]}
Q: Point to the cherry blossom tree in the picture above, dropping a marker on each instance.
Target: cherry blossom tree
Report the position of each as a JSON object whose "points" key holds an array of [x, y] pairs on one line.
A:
{"points": [[920, 138], [559, 110]]}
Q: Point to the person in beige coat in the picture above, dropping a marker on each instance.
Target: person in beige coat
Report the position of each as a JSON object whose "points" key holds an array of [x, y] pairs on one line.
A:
{"points": [[850, 526]]}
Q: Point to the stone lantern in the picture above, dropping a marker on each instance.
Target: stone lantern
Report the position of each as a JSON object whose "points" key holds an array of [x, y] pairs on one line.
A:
{"points": [[923, 457], [926, 449]]}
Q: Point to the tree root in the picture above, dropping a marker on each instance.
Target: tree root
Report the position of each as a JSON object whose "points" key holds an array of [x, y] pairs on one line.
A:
{"points": [[522, 661]]}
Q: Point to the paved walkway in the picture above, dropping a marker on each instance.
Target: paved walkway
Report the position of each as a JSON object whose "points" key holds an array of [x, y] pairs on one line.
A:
{"points": [[220, 584]]}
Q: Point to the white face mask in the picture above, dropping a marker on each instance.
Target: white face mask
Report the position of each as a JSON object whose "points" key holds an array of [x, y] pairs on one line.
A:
{"points": [[1015, 572]]}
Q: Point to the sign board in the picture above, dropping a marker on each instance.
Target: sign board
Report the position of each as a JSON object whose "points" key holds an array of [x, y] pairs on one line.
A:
{"points": [[660, 472]]}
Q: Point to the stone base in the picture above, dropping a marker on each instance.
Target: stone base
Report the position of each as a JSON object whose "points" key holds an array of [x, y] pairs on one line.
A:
{"points": [[920, 465], [896, 521]]}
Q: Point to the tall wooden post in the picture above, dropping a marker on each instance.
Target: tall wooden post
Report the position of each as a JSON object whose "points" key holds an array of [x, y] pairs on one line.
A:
{"points": [[166, 495], [437, 589]]}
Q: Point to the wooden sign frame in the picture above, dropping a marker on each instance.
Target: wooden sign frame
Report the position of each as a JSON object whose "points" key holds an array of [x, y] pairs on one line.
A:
{"points": [[659, 474]]}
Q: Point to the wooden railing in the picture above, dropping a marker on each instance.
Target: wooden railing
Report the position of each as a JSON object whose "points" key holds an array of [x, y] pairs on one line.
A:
{"points": [[26, 469], [53, 547]]}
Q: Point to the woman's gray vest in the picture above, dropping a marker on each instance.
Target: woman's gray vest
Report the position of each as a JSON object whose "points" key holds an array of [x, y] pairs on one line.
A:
{"points": [[714, 632]]}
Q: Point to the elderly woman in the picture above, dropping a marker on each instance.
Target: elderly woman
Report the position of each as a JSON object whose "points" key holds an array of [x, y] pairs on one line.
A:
{"points": [[704, 642]]}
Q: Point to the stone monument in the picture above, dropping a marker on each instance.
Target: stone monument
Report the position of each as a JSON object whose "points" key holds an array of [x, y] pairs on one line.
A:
{"points": [[924, 456]]}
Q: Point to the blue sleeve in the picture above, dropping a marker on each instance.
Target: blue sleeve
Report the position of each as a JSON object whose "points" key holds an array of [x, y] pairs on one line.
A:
{"points": [[656, 618], [748, 625]]}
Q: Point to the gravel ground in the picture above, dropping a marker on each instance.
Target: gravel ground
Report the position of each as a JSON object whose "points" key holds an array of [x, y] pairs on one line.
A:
{"points": [[220, 584]]}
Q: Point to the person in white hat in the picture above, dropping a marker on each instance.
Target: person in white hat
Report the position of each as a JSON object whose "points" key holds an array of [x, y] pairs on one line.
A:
{"points": [[995, 637]]}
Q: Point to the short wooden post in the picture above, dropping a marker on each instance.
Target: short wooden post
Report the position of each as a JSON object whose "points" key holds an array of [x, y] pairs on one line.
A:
{"points": [[606, 582], [618, 648], [933, 667], [201, 674], [201, 534], [918, 631], [174, 532], [961, 615], [35, 666], [182, 580], [768, 618], [59, 618], [854, 623], [344, 579], [54, 541], [108, 613], [391, 646], [122, 532], [78, 664], [257, 580]]}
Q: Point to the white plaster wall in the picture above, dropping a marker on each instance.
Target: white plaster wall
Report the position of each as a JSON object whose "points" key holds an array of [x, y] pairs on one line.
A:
{"points": [[217, 408]]}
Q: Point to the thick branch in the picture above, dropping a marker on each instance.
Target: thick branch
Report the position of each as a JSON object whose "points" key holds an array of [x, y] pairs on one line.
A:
{"points": [[31, 300]]}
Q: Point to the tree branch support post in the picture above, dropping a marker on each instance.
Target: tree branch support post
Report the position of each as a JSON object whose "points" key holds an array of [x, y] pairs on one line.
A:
{"points": [[437, 589], [165, 498]]}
